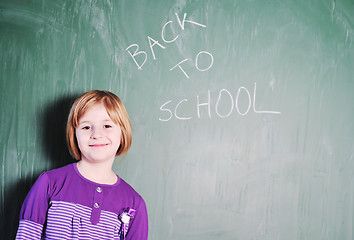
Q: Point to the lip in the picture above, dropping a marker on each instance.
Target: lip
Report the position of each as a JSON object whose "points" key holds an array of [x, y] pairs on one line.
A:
{"points": [[98, 145]]}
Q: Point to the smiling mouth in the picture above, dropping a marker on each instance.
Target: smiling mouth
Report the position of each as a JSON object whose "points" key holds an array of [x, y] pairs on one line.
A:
{"points": [[98, 145]]}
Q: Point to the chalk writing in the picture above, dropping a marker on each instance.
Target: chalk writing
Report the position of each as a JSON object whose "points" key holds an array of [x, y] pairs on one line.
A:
{"points": [[140, 57], [169, 110], [196, 63]]}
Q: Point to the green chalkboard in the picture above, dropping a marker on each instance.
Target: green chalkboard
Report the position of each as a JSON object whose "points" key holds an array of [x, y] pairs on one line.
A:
{"points": [[242, 110]]}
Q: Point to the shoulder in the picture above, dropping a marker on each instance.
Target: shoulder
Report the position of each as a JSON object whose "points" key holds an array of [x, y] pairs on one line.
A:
{"points": [[127, 194], [128, 189], [60, 177], [60, 173], [68, 169]]}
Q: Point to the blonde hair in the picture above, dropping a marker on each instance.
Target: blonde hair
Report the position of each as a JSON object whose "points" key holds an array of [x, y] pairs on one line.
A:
{"points": [[115, 110]]}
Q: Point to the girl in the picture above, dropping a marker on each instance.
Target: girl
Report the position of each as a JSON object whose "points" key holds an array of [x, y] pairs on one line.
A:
{"points": [[87, 200]]}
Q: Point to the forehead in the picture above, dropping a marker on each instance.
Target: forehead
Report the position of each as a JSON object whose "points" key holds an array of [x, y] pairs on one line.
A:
{"points": [[97, 112]]}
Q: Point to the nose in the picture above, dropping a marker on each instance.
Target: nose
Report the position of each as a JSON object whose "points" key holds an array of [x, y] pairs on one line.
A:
{"points": [[96, 133]]}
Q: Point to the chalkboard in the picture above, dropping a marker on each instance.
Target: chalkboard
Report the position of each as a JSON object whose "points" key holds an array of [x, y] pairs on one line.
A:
{"points": [[242, 110]]}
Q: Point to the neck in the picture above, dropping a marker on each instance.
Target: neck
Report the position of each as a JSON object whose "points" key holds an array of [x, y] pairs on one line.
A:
{"points": [[98, 173]]}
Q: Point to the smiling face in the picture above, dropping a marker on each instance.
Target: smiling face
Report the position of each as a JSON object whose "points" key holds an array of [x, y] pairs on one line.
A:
{"points": [[98, 137]]}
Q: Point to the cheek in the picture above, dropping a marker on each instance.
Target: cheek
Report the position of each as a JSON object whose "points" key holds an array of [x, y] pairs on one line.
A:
{"points": [[118, 137], [80, 137]]}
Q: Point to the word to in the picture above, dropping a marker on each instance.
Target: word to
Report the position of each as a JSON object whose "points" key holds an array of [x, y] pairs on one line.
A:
{"points": [[175, 110], [140, 57]]}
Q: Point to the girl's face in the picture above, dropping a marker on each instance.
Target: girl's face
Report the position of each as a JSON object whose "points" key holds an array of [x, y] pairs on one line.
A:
{"points": [[98, 137]]}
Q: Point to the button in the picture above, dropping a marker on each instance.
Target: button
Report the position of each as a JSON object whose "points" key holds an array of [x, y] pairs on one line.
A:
{"points": [[96, 205], [99, 190]]}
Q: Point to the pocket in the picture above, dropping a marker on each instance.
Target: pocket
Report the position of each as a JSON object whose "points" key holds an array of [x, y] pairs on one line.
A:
{"points": [[125, 218]]}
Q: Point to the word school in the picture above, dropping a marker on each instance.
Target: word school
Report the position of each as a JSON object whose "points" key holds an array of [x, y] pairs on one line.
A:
{"points": [[171, 110]]}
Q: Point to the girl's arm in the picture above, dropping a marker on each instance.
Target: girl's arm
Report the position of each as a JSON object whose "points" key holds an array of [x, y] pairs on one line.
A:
{"points": [[140, 227], [34, 210]]}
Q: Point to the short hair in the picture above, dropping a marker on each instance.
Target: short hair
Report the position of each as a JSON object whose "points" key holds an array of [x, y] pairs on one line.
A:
{"points": [[115, 110]]}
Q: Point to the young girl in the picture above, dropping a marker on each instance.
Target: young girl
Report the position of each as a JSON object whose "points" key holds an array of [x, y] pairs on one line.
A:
{"points": [[87, 200]]}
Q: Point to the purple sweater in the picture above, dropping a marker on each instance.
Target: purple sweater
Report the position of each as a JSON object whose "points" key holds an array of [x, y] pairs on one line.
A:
{"points": [[62, 204]]}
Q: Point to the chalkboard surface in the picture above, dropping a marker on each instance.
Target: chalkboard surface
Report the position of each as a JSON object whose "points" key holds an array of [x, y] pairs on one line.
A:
{"points": [[242, 110]]}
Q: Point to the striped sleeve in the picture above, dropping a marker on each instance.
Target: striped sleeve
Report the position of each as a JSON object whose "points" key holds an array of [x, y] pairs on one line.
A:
{"points": [[34, 210], [29, 230]]}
